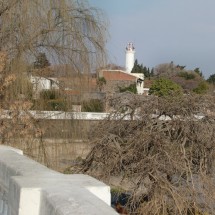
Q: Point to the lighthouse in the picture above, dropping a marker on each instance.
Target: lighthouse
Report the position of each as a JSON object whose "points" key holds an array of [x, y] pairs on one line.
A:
{"points": [[129, 61]]}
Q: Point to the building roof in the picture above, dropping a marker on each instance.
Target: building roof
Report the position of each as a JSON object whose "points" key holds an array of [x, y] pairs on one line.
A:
{"points": [[117, 75], [147, 83]]}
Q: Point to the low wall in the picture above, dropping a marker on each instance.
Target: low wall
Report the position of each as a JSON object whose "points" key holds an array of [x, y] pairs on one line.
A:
{"points": [[6, 114], [61, 115], [29, 188]]}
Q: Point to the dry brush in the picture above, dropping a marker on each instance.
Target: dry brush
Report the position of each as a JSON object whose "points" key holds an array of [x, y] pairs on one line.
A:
{"points": [[166, 165]]}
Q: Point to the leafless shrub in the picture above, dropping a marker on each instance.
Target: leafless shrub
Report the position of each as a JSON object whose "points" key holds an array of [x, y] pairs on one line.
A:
{"points": [[166, 165]]}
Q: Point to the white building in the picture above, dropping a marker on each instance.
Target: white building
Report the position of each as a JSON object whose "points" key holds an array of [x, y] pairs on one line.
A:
{"points": [[116, 78], [129, 57], [41, 83], [129, 64]]}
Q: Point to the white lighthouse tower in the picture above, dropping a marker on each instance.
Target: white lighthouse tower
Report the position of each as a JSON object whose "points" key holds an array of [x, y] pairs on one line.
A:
{"points": [[129, 61]]}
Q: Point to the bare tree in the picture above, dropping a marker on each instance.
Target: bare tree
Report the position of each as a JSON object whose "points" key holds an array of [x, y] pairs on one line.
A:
{"points": [[68, 32], [163, 156]]}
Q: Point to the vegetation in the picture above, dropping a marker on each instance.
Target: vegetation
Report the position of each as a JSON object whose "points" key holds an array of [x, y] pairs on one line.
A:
{"points": [[51, 32], [165, 87], [197, 70], [41, 61], [93, 105], [189, 80], [166, 70], [186, 75], [211, 79], [131, 88], [202, 88], [22, 126], [138, 68], [50, 100], [35, 34], [49, 94], [100, 83], [48, 27], [167, 166]]}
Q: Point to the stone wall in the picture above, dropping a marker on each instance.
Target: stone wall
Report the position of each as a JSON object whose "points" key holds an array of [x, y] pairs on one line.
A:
{"points": [[29, 188], [114, 86]]}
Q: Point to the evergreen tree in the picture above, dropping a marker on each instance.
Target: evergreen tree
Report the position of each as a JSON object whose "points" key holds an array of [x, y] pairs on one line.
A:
{"points": [[165, 87], [41, 61], [152, 72], [201, 88], [196, 70], [138, 68], [211, 79]]}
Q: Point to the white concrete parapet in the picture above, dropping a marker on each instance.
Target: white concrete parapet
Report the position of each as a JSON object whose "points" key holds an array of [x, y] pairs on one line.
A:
{"points": [[29, 188], [6, 114]]}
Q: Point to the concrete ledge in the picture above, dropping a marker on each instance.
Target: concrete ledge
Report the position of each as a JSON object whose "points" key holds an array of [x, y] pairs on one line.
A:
{"points": [[29, 188]]}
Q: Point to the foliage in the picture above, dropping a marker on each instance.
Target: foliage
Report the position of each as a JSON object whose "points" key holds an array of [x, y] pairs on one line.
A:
{"points": [[49, 94], [186, 75], [180, 67], [41, 61], [50, 100], [55, 105], [93, 105], [15, 106], [101, 82], [66, 31], [61, 32], [211, 79], [69, 33], [165, 87], [202, 88], [166, 165], [187, 79], [21, 88], [131, 88], [166, 70], [197, 70], [138, 68]]}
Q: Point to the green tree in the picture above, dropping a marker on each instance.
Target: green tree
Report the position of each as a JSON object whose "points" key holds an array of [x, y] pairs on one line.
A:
{"points": [[152, 72], [139, 68], [211, 79], [186, 75], [180, 67], [165, 87], [197, 70], [201, 88], [187, 79], [131, 88]]}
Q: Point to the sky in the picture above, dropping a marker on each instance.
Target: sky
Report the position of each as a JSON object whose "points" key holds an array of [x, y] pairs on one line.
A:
{"points": [[182, 31]]}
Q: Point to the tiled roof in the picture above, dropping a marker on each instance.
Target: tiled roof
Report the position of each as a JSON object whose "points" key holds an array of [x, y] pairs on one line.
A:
{"points": [[81, 82], [117, 75], [147, 83]]}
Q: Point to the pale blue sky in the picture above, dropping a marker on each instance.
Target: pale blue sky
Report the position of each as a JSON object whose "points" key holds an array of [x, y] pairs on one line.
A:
{"points": [[182, 31]]}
